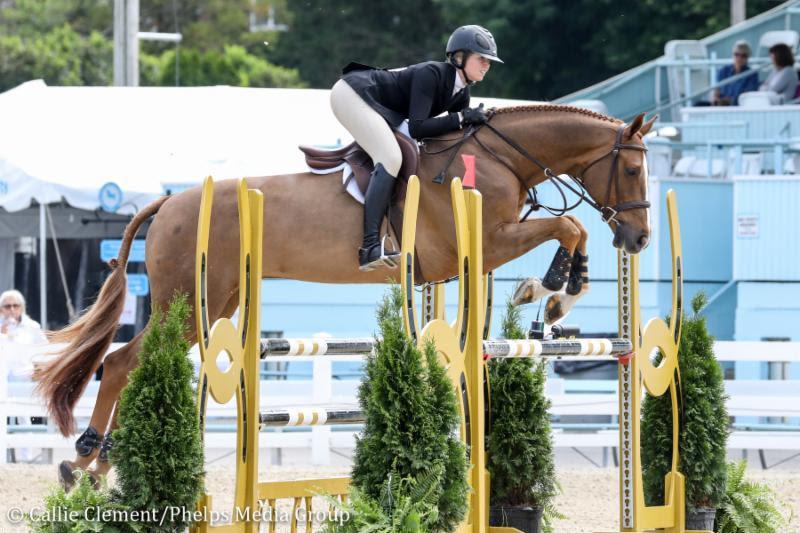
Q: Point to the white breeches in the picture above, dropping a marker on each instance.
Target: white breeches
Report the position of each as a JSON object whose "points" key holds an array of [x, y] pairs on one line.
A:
{"points": [[367, 127]]}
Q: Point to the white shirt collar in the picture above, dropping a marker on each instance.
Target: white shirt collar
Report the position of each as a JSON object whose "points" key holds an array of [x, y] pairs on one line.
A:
{"points": [[459, 84]]}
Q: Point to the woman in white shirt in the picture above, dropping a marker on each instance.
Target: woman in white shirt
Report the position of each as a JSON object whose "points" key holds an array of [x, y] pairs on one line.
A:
{"points": [[783, 78], [15, 325]]}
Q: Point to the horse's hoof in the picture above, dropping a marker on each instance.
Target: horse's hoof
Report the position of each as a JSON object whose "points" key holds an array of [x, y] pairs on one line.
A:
{"points": [[523, 294], [66, 475], [559, 305], [554, 310], [95, 477], [529, 290]]}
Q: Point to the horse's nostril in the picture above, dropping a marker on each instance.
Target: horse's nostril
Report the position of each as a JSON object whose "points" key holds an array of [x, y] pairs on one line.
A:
{"points": [[643, 240]]}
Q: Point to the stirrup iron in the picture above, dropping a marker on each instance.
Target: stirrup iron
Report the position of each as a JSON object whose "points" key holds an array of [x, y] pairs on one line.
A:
{"points": [[389, 261]]}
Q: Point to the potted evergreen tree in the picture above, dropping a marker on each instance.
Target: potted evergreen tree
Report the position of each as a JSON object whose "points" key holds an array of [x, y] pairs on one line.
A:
{"points": [[157, 452], [519, 441], [410, 467], [703, 430]]}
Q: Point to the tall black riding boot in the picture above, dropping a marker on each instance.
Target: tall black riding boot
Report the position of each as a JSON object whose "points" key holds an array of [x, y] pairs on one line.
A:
{"points": [[376, 203]]}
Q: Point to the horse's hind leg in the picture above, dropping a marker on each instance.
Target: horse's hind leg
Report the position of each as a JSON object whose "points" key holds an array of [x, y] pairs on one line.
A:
{"points": [[115, 375], [102, 465], [560, 304]]}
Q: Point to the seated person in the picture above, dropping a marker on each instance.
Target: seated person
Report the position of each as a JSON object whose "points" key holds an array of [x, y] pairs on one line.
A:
{"points": [[783, 78], [15, 324], [729, 94]]}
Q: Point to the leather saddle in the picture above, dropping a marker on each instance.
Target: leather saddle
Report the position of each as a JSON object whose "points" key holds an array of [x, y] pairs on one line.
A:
{"points": [[361, 163]]}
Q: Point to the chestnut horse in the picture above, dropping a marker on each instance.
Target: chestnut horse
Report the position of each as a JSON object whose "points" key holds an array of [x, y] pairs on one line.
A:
{"points": [[312, 230]]}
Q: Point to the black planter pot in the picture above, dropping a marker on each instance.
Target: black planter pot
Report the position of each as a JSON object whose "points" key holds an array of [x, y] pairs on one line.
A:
{"points": [[526, 519], [700, 518]]}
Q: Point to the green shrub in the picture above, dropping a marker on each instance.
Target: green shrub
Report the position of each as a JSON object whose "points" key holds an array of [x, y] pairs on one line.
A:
{"points": [[519, 442], [77, 510], [157, 450], [234, 66], [411, 425], [748, 506], [60, 56], [704, 421], [406, 506]]}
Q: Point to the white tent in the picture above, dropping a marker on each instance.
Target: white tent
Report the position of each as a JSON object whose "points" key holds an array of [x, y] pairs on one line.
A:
{"points": [[65, 143]]}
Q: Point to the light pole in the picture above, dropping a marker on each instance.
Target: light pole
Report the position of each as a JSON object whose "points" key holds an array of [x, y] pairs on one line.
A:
{"points": [[738, 11], [126, 42]]}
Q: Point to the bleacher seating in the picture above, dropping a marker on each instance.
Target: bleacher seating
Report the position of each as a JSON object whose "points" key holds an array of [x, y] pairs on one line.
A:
{"points": [[769, 39], [679, 86], [759, 99]]}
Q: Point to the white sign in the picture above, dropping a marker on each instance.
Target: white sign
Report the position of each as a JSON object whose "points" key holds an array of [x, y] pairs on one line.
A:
{"points": [[747, 225], [129, 311]]}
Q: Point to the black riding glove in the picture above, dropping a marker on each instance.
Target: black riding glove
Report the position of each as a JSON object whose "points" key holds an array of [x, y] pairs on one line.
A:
{"points": [[475, 116]]}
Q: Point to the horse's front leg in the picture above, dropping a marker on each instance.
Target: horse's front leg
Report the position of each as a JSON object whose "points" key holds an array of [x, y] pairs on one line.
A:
{"points": [[560, 304], [513, 240]]}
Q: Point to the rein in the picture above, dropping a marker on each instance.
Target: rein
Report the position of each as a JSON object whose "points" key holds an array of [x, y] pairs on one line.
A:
{"points": [[577, 186]]}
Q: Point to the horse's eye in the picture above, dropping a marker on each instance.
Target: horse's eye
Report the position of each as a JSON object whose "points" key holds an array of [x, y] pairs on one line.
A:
{"points": [[632, 171]]}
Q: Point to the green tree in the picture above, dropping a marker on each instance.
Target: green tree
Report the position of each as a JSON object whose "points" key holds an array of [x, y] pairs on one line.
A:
{"points": [[204, 24], [326, 35], [554, 47], [158, 453], [232, 67], [29, 18], [519, 441], [59, 57], [411, 423], [631, 39], [704, 421]]}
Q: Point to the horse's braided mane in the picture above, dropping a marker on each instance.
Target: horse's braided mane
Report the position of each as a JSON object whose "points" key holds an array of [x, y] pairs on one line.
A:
{"points": [[556, 107]]}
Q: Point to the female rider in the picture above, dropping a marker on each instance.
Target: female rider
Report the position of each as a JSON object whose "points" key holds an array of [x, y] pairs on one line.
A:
{"points": [[371, 102]]}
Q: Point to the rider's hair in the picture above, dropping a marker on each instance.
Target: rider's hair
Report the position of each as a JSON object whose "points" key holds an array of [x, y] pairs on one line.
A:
{"points": [[459, 58]]}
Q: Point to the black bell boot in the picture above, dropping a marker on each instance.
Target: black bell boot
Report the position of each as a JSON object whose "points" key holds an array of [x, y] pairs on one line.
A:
{"points": [[371, 255]]}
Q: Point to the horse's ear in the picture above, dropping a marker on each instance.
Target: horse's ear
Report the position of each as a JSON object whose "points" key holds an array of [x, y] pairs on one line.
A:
{"points": [[645, 129], [634, 126]]}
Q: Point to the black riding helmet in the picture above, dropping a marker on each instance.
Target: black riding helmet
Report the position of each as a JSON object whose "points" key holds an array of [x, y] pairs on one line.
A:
{"points": [[474, 39]]}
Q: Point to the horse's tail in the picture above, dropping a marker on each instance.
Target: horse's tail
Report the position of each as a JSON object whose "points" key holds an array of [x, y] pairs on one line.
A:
{"points": [[62, 380]]}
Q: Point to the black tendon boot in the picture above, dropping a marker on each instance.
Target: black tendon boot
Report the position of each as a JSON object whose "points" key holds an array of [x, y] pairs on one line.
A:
{"points": [[376, 202], [558, 272], [105, 447], [578, 274]]}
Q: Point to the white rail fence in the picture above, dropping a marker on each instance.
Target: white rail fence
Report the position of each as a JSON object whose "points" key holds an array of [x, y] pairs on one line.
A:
{"points": [[772, 399]]}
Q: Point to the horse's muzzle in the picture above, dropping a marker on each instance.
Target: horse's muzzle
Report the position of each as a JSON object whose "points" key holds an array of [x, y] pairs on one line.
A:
{"points": [[633, 240]]}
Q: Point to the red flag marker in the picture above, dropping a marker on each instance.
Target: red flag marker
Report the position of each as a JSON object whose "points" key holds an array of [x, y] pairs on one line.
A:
{"points": [[469, 171]]}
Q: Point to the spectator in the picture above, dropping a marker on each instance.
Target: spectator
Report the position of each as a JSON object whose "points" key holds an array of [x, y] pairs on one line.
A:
{"points": [[783, 78], [15, 324], [729, 94]]}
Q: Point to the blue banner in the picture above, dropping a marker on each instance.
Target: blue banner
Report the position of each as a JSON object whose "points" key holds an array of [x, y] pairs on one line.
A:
{"points": [[109, 249], [138, 284]]}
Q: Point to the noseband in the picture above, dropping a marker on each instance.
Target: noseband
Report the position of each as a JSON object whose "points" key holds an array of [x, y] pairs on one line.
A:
{"points": [[607, 212], [610, 212]]}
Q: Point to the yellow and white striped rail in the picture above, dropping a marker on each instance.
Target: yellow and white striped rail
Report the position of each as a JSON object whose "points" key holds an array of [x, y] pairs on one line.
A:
{"points": [[312, 416], [492, 347]]}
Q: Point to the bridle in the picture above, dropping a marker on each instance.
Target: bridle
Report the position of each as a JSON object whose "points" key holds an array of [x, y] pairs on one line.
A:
{"points": [[607, 212], [577, 185]]}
